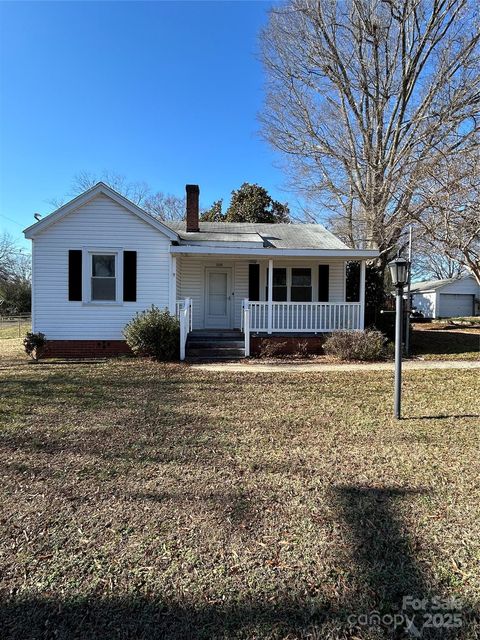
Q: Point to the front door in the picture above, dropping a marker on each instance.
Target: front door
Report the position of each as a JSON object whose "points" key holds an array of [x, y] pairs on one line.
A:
{"points": [[218, 298]]}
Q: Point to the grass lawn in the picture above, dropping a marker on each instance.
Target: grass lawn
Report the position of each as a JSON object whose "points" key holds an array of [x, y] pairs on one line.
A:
{"points": [[11, 330], [141, 500], [435, 342]]}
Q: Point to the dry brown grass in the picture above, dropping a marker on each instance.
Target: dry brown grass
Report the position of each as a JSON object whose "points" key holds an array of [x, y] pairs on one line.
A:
{"points": [[147, 501], [437, 341]]}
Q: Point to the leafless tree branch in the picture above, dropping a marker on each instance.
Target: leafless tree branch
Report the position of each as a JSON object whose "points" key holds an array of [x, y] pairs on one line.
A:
{"points": [[362, 95]]}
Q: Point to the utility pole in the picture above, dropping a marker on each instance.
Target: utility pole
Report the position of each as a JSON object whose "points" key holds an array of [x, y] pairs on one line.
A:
{"points": [[407, 306]]}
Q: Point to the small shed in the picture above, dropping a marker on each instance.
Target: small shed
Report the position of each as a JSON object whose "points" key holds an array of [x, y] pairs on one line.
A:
{"points": [[450, 298]]}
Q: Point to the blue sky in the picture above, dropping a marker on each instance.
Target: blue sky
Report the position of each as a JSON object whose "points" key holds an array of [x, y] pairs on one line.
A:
{"points": [[166, 93]]}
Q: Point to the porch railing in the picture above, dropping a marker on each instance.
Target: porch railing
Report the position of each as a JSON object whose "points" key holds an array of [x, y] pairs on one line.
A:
{"points": [[306, 317], [183, 309], [180, 304]]}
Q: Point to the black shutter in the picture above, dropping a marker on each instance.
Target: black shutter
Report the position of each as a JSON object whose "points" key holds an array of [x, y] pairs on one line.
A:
{"points": [[130, 276], [254, 282], [323, 282], [75, 274]]}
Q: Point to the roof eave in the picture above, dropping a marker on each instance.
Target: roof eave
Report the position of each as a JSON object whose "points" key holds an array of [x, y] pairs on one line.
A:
{"points": [[365, 254]]}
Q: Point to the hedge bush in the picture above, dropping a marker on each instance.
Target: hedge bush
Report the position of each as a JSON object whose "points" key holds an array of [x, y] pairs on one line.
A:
{"points": [[357, 345], [271, 348], [34, 344], [154, 333]]}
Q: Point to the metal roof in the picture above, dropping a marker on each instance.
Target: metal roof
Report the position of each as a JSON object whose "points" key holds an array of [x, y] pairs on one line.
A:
{"points": [[276, 236]]}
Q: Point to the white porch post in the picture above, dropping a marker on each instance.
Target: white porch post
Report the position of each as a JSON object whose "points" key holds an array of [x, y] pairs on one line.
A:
{"points": [[362, 294], [246, 326], [173, 285], [270, 295]]}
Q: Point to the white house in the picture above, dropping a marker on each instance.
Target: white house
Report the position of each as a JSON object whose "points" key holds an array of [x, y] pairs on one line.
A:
{"points": [[99, 259], [448, 298]]}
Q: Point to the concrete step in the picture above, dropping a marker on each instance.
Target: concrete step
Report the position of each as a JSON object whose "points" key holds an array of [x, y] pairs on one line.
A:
{"points": [[212, 358], [215, 344], [229, 352], [218, 333]]}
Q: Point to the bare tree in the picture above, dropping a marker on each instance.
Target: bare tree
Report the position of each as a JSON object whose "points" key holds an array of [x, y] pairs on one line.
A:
{"points": [[429, 261], [137, 192], [15, 263], [15, 277], [450, 217], [165, 206], [360, 94], [161, 205], [8, 251]]}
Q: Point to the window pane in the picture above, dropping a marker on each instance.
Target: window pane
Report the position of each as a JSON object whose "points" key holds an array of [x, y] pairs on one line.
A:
{"points": [[301, 277], [103, 266], [279, 294], [103, 288], [301, 294], [279, 277], [279, 285]]}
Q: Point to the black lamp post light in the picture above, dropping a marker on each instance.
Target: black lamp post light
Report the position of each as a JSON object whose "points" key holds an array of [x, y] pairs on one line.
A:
{"points": [[399, 273]]}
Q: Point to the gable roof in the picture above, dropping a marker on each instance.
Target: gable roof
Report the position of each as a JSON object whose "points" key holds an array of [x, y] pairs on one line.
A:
{"points": [[431, 285], [275, 236], [90, 194], [221, 237]]}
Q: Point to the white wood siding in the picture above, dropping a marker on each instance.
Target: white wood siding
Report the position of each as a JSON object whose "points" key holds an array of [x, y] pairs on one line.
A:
{"points": [[191, 284], [99, 223], [191, 281], [426, 303]]}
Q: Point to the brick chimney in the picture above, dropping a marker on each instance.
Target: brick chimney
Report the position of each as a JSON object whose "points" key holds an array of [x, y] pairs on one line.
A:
{"points": [[193, 192]]}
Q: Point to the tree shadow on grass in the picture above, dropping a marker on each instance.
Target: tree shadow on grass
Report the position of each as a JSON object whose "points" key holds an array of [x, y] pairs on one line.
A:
{"points": [[387, 569], [383, 550], [385, 566], [142, 618], [438, 342]]}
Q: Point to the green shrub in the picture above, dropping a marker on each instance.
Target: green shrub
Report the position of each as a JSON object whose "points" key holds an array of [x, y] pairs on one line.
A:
{"points": [[34, 344], [154, 333], [357, 345]]}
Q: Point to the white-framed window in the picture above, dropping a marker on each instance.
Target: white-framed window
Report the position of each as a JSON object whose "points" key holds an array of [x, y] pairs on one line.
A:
{"points": [[102, 275], [103, 279], [280, 286], [301, 285], [290, 284]]}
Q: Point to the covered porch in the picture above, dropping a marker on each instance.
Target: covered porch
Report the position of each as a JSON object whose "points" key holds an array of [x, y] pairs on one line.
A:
{"points": [[267, 295]]}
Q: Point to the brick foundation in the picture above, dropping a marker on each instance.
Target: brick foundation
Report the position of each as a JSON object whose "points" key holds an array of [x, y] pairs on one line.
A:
{"points": [[289, 344], [85, 348]]}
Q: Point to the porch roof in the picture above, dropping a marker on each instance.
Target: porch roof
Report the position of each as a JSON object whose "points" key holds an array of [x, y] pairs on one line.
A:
{"points": [[264, 240], [268, 236], [345, 254]]}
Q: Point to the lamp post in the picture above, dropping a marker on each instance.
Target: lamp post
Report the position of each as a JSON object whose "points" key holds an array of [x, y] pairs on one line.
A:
{"points": [[399, 272]]}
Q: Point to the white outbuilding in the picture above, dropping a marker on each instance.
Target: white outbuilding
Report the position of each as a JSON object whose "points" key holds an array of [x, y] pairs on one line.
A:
{"points": [[454, 297]]}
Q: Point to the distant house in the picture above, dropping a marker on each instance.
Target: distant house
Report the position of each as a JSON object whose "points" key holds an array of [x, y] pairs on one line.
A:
{"points": [[449, 298], [100, 258]]}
